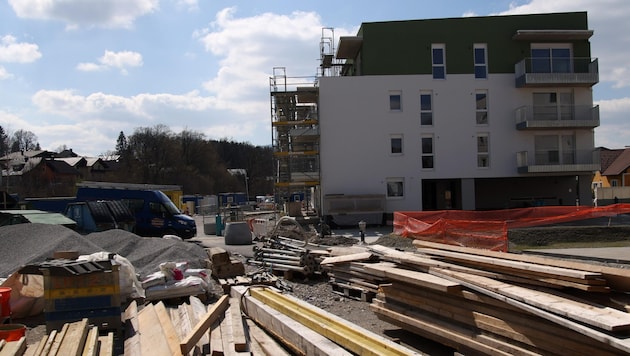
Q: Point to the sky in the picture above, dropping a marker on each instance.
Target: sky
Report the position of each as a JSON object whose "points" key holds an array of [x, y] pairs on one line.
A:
{"points": [[78, 72]]}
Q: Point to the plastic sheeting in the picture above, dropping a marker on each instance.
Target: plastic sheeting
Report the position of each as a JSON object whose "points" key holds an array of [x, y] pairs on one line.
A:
{"points": [[488, 229]]}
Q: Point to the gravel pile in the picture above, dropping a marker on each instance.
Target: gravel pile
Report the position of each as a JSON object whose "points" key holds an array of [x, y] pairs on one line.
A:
{"points": [[25, 244]]}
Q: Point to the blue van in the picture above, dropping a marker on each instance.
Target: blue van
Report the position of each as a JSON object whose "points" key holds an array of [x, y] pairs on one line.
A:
{"points": [[155, 213]]}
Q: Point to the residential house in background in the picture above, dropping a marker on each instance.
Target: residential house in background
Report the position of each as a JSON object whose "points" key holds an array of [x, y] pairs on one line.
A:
{"points": [[471, 113], [611, 184]]}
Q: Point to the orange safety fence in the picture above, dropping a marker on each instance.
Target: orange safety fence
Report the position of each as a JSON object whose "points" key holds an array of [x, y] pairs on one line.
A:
{"points": [[488, 229]]}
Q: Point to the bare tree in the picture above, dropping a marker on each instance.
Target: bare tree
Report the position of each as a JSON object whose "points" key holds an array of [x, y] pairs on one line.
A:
{"points": [[23, 140]]}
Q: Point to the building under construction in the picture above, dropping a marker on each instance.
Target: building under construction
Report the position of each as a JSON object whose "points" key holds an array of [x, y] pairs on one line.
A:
{"points": [[295, 128]]}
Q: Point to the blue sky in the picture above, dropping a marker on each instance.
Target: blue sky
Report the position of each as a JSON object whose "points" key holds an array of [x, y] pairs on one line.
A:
{"points": [[77, 72]]}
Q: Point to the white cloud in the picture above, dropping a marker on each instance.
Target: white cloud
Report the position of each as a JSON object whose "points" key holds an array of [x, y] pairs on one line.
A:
{"points": [[191, 5], [82, 13], [18, 52], [251, 47], [4, 74], [120, 60]]}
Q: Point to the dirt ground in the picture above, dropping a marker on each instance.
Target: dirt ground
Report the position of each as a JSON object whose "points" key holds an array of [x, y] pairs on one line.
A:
{"points": [[317, 291]]}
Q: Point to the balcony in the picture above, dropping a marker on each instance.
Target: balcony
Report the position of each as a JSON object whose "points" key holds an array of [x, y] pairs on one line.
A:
{"points": [[548, 72], [554, 117], [555, 161]]}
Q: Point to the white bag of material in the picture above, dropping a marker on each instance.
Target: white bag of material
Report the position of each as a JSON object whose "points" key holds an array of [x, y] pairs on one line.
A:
{"points": [[130, 286]]}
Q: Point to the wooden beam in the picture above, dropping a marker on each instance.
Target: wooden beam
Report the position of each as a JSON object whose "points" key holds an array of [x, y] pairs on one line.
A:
{"points": [[413, 277], [132, 333], [298, 338], [74, 339], [269, 346], [622, 344], [106, 343], [204, 324], [361, 256], [14, 348], [618, 278], [152, 337], [91, 342], [238, 331], [172, 338], [350, 336]]}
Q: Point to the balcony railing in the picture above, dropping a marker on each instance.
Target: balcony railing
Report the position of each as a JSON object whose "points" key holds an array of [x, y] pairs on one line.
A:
{"points": [[541, 72], [550, 161], [554, 117]]}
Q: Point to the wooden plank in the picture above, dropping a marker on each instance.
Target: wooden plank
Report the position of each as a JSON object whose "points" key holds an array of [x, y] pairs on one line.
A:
{"points": [[91, 342], [216, 338], [49, 342], [267, 344], [132, 333], [361, 256], [199, 309], [14, 348], [238, 330], [413, 277], [350, 336], [516, 325], [622, 344], [54, 350], [204, 324], [462, 339], [617, 278], [106, 343], [40, 346], [172, 338], [152, 338], [298, 338], [595, 315], [74, 339]]}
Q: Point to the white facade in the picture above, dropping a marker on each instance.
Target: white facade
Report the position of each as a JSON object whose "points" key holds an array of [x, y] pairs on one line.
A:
{"points": [[357, 126]]}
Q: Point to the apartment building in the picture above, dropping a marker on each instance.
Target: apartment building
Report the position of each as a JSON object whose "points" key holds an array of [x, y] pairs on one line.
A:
{"points": [[470, 113]]}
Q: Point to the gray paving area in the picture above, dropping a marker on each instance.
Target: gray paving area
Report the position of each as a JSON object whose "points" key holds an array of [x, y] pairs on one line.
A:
{"points": [[212, 240]]}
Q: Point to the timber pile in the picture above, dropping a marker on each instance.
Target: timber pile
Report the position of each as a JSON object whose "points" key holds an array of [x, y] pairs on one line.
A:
{"points": [[76, 338], [349, 277], [307, 330], [195, 329], [283, 254], [483, 302]]}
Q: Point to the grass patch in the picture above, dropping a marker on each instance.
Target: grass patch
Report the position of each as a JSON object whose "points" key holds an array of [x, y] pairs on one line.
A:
{"points": [[580, 244]]}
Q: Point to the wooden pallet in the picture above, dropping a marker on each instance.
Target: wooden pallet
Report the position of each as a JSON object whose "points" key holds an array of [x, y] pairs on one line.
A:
{"points": [[352, 292]]}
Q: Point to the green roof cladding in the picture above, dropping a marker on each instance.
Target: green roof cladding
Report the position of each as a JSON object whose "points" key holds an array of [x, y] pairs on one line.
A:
{"points": [[404, 47]]}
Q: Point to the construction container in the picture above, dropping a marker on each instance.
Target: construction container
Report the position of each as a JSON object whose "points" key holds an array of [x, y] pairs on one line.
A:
{"points": [[74, 290]]}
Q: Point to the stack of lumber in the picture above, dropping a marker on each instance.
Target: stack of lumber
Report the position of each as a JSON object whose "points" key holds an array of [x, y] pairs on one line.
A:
{"points": [[483, 302], [223, 265], [307, 330], [285, 254], [349, 277], [258, 278], [76, 338], [195, 329]]}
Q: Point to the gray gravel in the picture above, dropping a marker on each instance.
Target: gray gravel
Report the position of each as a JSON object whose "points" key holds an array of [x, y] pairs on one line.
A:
{"points": [[25, 244]]}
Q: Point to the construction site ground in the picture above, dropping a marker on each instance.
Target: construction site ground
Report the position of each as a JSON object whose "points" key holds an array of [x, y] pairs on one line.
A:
{"points": [[316, 289]]}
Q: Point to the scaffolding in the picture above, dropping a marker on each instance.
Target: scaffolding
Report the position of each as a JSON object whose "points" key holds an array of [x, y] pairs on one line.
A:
{"points": [[295, 135], [295, 126]]}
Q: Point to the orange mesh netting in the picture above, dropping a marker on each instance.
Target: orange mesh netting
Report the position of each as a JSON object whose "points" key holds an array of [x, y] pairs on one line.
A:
{"points": [[488, 229]]}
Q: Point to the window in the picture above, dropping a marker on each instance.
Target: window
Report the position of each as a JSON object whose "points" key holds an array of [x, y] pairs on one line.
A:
{"points": [[553, 106], [427, 152], [395, 187], [481, 99], [426, 109], [483, 152], [614, 183], [554, 149], [551, 58], [395, 101], [438, 58], [481, 61], [396, 144]]}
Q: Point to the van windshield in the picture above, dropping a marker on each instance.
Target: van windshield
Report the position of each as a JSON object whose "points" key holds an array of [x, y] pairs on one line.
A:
{"points": [[171, 208]]}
